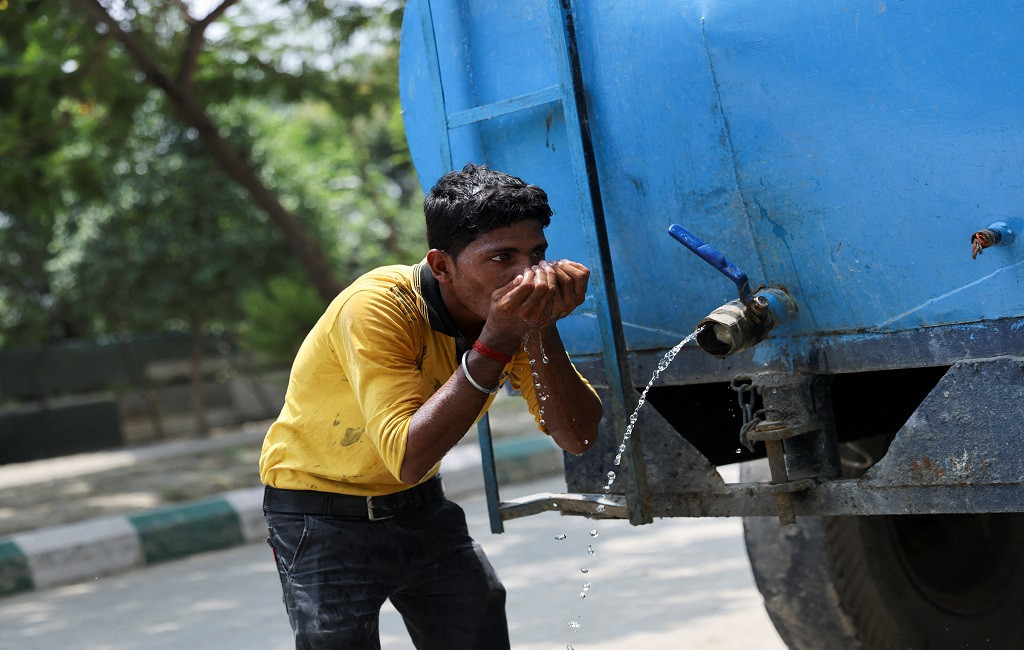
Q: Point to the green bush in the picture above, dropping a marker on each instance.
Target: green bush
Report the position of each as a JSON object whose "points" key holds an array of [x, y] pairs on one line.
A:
{"points": [[278, 316]]}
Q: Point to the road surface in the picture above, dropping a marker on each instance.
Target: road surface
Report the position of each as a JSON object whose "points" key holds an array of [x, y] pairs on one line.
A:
{"points": [[670, 585]]}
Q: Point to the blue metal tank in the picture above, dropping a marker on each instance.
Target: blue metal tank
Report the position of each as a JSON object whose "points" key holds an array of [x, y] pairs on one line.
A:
{"points": [[861, 158], [846, 151]]}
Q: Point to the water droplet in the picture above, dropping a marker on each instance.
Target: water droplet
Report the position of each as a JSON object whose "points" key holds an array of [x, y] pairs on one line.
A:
{"points": [[554, 504], [574, 624], [536, 376], [607, 488], [544, 358], [583, 594], [599, 508], [618, 459], [586, 442], [568, 646], [584, 570], [586, 586], [560, 536], [542, 422], [593, 533], [611, 476], [590, 550], [739, 451], [544, 398]]}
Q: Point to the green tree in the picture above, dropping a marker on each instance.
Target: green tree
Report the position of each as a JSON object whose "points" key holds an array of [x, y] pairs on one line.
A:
{"points": [[363, 183], [179, 241], [76, 74], [138, 152], [168, 57]]}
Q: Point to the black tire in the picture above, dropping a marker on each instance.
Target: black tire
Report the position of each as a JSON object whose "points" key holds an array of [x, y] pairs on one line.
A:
{"points": [[921, 581]]}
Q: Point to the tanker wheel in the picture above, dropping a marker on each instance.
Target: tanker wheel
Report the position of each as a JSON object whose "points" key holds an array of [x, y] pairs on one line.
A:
{"points": [[912, 581]]}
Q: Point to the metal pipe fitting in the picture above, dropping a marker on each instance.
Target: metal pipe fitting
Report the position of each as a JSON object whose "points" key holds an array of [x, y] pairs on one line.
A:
{"points": [[736, 326], [997, 234]]}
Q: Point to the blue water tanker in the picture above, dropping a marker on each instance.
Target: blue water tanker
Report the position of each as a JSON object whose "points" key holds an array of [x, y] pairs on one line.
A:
{"points": [[830, 196]]}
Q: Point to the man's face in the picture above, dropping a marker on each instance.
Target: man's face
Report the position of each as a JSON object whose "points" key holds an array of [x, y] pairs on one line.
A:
{"points": [[491, 261]]}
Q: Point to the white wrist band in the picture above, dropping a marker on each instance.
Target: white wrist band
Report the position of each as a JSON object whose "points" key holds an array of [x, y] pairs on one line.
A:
{"points": [[465, 371]]}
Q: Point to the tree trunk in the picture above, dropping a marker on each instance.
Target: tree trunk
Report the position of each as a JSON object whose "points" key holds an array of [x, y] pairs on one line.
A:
{"points": [[141, 382], [232, 162], [311, 255], [198, 383]]}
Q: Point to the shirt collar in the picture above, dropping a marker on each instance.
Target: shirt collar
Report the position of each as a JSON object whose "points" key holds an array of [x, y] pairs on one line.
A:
{"points": [[437, 313]]}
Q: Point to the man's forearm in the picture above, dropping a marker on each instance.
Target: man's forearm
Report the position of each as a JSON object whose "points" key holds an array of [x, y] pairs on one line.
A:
{"points": [[447, 415], [572, 411]]}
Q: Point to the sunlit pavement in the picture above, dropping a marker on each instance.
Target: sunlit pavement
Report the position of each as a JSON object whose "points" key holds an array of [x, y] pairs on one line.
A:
{"points": [[673, 584]]}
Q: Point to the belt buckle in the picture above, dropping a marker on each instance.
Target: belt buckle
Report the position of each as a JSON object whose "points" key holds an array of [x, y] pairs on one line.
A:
{"points": [[371, 514]]}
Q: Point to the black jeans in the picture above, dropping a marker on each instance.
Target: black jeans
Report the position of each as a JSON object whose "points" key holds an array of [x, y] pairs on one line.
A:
{"points": [[337, 572]]}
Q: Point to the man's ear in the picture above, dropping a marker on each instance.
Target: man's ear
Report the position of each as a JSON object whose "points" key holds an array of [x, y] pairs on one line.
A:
{"points": [[441, 265]]}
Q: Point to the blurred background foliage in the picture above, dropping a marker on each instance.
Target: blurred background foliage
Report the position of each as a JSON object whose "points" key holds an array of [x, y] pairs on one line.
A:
{"points": [[182, 166]]}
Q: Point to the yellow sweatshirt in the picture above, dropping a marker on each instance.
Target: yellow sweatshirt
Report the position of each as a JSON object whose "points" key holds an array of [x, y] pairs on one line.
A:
{"points": [[381, 349]]}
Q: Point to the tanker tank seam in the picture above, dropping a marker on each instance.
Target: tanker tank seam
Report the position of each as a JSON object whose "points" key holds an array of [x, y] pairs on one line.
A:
{"points": [[780, 233], [932, 301], [729, 144], [1001, 357], [653, 330]]}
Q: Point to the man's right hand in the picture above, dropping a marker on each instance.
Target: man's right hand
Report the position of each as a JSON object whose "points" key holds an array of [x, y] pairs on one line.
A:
{"points": [[532, 302], [535, 300]]}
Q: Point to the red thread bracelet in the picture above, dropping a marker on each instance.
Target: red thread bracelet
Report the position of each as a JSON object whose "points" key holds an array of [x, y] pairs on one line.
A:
{"points": [[491, 353]]}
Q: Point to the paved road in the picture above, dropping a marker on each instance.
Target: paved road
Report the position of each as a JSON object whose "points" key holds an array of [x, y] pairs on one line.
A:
{"points": [[674, 584]]}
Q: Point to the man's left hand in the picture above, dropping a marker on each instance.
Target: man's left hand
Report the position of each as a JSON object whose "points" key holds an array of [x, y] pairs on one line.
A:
{"points": [[571, 281]]}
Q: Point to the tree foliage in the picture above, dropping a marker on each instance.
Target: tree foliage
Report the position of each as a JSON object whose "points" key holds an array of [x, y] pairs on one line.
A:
{"points": [[155, 166], [175, 233]]}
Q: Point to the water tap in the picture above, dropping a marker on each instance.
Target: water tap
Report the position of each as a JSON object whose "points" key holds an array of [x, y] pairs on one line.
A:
{"points": [[739, 324], [735, 326]]}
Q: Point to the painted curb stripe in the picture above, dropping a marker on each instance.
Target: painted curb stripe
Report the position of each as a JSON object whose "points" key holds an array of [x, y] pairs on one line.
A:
{"points": [[86, 549], [248, 503], [15, 575], [107, 545], [180, 531]]}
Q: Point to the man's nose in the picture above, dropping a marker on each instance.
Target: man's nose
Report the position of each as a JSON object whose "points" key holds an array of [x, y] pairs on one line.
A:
{"points": [[524, 264]]}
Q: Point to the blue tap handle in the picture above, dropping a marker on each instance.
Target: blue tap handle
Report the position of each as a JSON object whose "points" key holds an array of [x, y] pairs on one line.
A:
{"points": [[714, 258]]}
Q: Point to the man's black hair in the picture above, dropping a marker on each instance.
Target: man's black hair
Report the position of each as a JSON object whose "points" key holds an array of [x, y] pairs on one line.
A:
{"points": [[468, 203]]}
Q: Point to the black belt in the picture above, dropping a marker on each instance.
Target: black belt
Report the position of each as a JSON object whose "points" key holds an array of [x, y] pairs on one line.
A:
{"points": [[331, 504]]}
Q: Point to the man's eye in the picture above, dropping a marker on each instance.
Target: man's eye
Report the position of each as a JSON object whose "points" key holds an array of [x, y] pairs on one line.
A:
{"points": [[539, 254], [502, 257]]}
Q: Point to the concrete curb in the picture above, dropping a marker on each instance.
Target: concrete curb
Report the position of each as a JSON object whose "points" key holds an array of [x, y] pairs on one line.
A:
{"points": [[61, 555]]}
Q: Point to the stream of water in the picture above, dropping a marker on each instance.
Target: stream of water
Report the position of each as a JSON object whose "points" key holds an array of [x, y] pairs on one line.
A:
{"points": [[666, 360], [662, 365]]}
